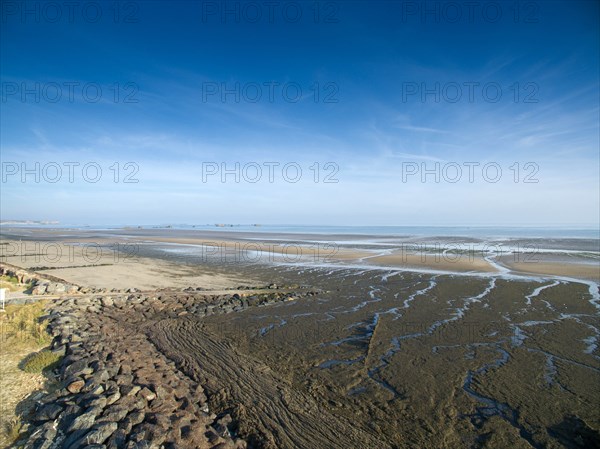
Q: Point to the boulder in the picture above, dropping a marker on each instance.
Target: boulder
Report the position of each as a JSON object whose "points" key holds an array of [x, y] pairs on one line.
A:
{"points": [[48, 412], [78, 368], [84, 421], [39, 289], [75, 384], [100, 433], [147, 394], [117, 439], [114, 413]]}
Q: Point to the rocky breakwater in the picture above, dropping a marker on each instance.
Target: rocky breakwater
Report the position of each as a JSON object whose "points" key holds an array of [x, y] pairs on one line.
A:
{"points": [[39, 284], [117, 389], [22, 276]]}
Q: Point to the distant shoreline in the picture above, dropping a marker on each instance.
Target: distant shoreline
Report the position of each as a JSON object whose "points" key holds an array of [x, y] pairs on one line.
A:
{"points": [[495, 232]]}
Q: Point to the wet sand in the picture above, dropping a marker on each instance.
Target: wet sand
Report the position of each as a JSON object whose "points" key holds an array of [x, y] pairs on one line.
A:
{"points": [[568, 258]]}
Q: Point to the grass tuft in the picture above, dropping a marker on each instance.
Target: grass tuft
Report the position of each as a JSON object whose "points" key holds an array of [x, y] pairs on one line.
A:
{"points": [[41, 361]]}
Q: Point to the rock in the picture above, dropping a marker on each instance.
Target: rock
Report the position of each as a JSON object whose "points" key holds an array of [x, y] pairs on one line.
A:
{"points": [[39, 289], [114, 413], [67, 417], [91, 386], [42, 438], [73, 439], [75, 338], [97, 401], [84, 421], [113, 369], [125, 369], [139, 445], [125, 380], [147, 394], [161, 392], [54, 396], [117, 439], [136, 417], [111, 386], [221, 426], [156, 435], [124, 393], [225, 420], [97, 390], [101, 376], [225, 445], [96, 365], [59, 350], [158, 419], [211, 434], [111, 399], [48, 412], [75, 384], [138, 434], [78, 368], [125, 425], [100, 433], [130, 390]]}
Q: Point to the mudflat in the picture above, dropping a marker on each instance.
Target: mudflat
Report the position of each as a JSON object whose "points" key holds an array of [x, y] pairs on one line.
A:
{"points": [[346, 352]]}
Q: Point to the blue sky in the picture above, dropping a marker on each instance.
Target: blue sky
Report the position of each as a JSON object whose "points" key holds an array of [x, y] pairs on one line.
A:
{"points": [[349, 89]]}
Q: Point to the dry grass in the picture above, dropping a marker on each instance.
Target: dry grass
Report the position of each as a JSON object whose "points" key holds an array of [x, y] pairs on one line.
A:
{"points": [[22, 332], [13, 429], [23, 324], [11, 283]]}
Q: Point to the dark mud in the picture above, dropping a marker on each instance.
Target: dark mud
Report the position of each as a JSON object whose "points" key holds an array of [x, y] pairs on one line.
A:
{"points": [[433, 361]]}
